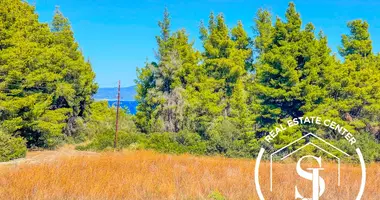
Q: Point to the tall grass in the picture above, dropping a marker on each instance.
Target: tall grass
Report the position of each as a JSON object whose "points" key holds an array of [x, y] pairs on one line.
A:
{"points": [[150, 175]]}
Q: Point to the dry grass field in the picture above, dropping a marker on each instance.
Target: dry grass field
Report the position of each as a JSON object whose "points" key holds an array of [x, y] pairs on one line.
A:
{"points": [[150, 175]]}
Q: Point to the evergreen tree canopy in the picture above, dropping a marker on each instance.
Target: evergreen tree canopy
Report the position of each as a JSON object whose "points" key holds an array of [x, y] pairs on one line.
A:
{"points": [[354, 90], [162, 84], [218, 101], [45, 83], [358, 42], [291, 66], [226, 65]]}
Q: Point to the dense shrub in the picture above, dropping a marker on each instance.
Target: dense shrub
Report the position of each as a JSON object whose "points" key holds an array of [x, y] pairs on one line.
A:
{"points": [[226, 139], [105, 140], [100, 128], [11, 147], [181, 142], [102, 119], [370, 148]]}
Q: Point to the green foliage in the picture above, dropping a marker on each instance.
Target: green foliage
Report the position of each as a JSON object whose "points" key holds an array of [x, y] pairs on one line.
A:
{"points": [[369, 146], [178, 93], [11, 147], [226, 139], [222, 89], [105, 140], [181, 142], [354, 91], [161, 86], [292, 66], [216, 195], [232, 100], [99, 128], [102, 119], [219, 101], [358, 42], [45, 83]]}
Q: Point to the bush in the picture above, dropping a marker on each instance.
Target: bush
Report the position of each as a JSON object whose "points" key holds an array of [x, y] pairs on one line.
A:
{"points": [[11, 147], [105, 140], [181, 142], [192, 142], [100, 129], [226, 139], [102, 120]]}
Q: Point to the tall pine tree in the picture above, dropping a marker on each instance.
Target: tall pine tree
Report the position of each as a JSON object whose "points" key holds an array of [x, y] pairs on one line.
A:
{"points": [[291, 65], [45, 82], [225, 68], [354, 91], [162, 84]]}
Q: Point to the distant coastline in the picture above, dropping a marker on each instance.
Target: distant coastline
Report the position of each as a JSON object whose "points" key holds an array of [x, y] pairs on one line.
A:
{"points": [[127, 95], [131, 106], [109, 94]]}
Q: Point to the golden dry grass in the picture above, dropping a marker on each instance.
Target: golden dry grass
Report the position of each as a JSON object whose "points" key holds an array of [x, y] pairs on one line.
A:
{"points": [[150, 175]]}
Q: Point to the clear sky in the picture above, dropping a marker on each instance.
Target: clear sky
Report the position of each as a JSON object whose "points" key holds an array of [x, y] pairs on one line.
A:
{"points": [[119, 36]]}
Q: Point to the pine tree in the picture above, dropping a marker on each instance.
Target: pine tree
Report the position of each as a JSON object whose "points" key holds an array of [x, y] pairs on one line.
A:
{"points": [[241, 98], [48, 84], [77, 87], [358, 42], [145, 84], [354, 90], [162, 84], [221, 92], [291, 66]]}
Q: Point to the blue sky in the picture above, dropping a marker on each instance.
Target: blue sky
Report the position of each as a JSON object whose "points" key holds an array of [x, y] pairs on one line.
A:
{"points": [[119, 36]]}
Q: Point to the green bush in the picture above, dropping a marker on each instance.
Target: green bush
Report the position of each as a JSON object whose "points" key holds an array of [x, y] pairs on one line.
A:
{"points": [[216, 195], [99, 129], [192, 142], [163, 142], [105, 140], [369, 147], [226, 139], [102, 119], [11, 147], [181, 142]]}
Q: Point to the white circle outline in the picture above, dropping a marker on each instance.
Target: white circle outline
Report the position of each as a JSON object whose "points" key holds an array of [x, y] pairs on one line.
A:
{"points": [[257, 165], [362, 164]]}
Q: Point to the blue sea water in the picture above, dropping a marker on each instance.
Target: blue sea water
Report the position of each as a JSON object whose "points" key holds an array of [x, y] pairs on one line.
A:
{"points": [[129, 105]]}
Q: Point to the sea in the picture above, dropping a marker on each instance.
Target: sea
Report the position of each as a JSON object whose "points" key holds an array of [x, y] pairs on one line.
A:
{"points": [[130, 106]]}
